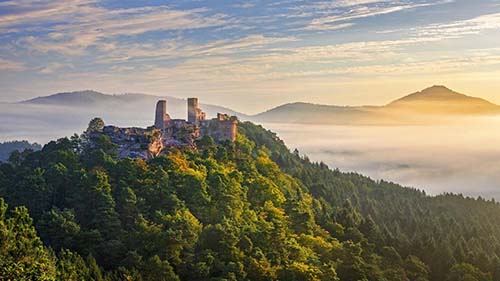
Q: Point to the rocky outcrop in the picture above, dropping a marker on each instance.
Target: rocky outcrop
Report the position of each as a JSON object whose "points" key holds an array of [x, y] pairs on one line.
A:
{"points": [[135, 142], [166, 132], [156, 147]]}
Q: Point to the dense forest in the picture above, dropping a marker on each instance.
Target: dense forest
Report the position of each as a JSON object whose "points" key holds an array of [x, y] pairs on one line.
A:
{"points": [[248, 210], [6, 148]]}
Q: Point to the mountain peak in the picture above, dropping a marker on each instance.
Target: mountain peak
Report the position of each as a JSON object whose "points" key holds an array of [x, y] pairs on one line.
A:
{"points": [[435, 93], [438, 88], [440, 99]]}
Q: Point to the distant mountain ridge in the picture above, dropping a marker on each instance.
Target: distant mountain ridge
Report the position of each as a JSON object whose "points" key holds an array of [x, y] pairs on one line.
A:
{"points": [[6, 148], [63, 114], [432, 102], [435, 100], [71, 98], [44, 118], [93, 98], [441, 100]]}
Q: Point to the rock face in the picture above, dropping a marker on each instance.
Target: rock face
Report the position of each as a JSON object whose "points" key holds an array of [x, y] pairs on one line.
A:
{"points": [[135, 142]]}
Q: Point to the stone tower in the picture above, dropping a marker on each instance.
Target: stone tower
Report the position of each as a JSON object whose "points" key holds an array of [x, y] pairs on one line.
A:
{"points": [[193, 110], [161, 114], [195, 114]]}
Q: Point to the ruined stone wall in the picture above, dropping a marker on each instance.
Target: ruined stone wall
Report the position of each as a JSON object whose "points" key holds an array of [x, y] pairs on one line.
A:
{"points": [[167, 132], [222, 128], [153, 141], [228, 130]]}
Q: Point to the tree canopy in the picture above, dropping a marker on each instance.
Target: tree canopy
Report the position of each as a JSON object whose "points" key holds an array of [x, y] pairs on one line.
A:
{"points": [[243, 210]]}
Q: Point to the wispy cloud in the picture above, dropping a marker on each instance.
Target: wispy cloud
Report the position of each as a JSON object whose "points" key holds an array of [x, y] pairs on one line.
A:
{"points": [[53, 67], [244, 5], [32, 14], [457, 29], [279, 47], [182, 49], [327, 26], [72, 26], [334, 15], [9, 65]]}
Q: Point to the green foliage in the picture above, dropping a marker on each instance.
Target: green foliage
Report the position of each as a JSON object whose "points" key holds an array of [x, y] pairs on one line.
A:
{"points": [[22, 255], [467, 272], [95, 125], [248, 210]]}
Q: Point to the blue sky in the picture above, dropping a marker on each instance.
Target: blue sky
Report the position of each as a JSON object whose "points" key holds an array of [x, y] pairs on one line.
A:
{"points": [[250, 55]]}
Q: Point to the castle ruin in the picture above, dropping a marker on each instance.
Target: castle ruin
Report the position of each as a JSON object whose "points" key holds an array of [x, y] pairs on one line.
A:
{"points": [[146, 143], [180, 132]]}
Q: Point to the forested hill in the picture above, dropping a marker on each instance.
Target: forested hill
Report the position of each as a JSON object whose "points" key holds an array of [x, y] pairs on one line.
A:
{"points": [[248, 210], [6, 148]]}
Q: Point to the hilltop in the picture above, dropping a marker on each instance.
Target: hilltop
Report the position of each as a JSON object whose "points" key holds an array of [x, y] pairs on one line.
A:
{"points": [[301, 112], [441, 100]]}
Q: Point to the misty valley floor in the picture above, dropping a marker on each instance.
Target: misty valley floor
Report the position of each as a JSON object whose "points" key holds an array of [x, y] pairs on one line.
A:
{"points": [[462, 157]]}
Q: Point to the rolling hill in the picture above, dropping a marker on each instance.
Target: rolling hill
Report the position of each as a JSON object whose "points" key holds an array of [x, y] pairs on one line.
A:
{"points": [[62, 114], [441, 100], [428, 104], [43, 118], [138, 102]]}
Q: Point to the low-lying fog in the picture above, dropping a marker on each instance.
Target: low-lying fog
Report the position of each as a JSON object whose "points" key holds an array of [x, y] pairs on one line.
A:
{"points": [[42, 123], [463, 157]]}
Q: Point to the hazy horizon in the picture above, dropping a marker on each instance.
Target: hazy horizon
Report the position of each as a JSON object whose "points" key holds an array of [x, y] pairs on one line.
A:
{"points": [[458, 155], [250, 54]]}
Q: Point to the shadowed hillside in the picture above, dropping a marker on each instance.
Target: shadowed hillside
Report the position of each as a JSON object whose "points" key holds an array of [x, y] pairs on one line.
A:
{"points": [[6, 148]]}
